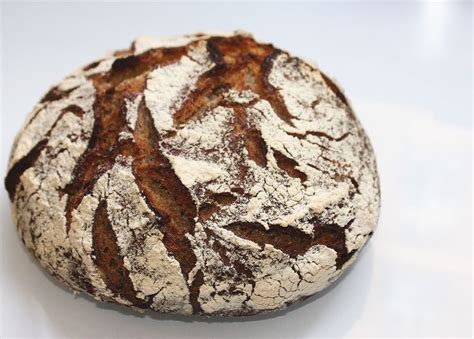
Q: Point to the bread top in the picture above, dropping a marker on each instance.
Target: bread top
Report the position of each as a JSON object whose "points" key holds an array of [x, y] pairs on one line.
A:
{"points": [[204, 174]]}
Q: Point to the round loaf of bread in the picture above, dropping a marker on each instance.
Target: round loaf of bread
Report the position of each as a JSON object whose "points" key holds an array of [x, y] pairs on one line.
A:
{"points": [[206, 174]]}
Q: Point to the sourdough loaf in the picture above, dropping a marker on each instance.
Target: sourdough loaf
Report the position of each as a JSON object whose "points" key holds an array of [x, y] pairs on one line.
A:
{"points": [[207, 174]]}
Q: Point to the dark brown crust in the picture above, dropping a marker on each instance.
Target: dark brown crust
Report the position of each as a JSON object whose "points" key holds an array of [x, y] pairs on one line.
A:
{"points": [[55, 94], [13, 176], [334, 88], [256, 147], [288, 165], [107, 257], [225, 198], [194, 292], [91, 65], [320, 134], [166, 196], [294, 242], [271, 93]]}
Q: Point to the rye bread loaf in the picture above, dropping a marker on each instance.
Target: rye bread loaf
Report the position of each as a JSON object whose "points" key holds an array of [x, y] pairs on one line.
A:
{"points": [[204, 174]]}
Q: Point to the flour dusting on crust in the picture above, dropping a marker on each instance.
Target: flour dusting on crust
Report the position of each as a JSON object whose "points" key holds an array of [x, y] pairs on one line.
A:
{"points": [[167, 87]]}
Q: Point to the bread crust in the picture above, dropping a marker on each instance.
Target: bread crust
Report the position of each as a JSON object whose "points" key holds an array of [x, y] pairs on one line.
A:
{"points": [[207, 174]]}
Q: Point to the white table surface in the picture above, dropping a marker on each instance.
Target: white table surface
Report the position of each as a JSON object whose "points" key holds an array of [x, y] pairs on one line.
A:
{"points": [[407, 67]]}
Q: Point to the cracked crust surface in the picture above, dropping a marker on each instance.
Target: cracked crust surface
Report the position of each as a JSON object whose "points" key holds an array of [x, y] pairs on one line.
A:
{"points": [[207, 174]]}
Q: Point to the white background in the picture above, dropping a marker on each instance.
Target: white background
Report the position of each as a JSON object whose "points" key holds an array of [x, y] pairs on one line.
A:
{"points": [[407, 67]]}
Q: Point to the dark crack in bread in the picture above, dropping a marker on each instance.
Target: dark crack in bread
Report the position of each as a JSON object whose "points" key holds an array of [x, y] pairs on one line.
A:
{"points": [[208, 174]]}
